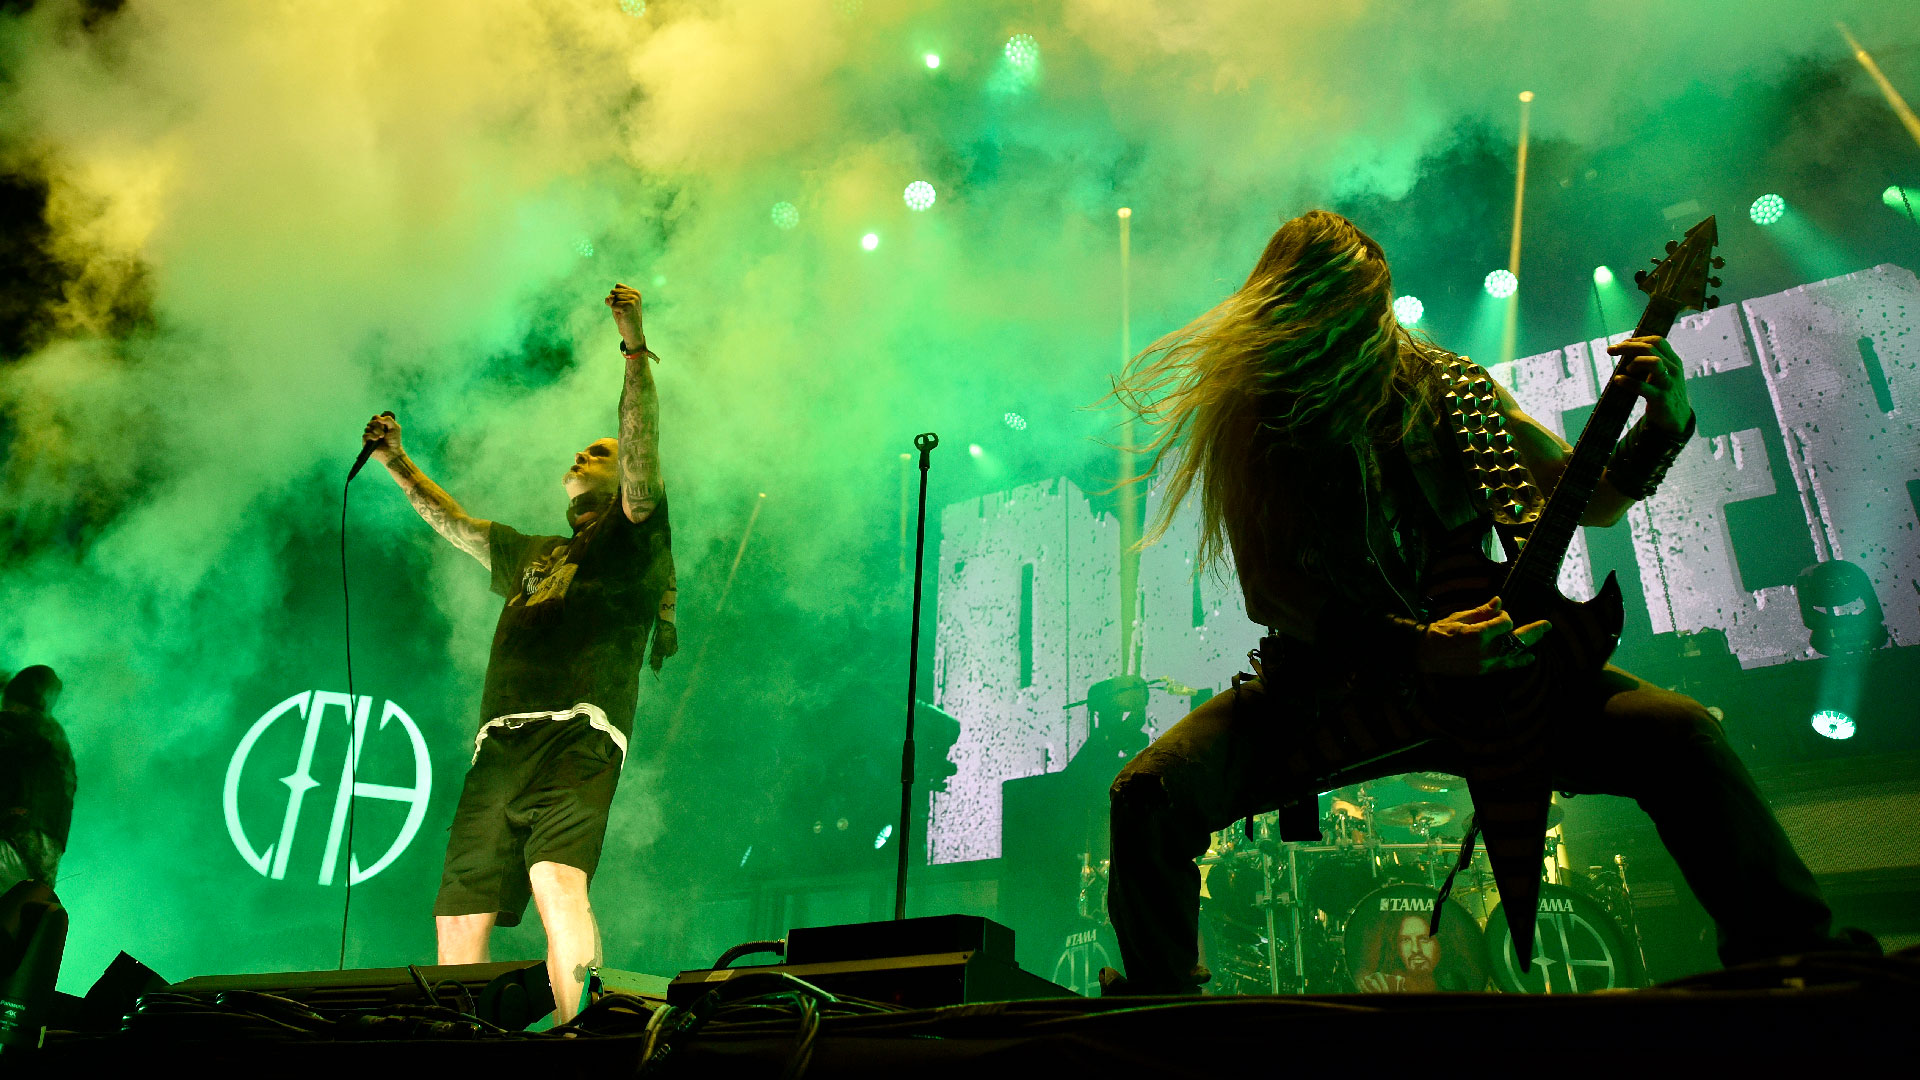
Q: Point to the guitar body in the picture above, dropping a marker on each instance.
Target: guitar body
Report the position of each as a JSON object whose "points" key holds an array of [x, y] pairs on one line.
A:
{"points": [[1510, 706]]}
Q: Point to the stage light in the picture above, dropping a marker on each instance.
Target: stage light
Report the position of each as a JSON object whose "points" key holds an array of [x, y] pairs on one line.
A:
{"points": [[1767, 209], [1022, 50], [886, 834], [635, 8], [583, 247], [785, 215], [1501, 284], [870, 241], [1408, 309], [1900, 198], [975, 449], [1603, 275], [933, 61], [1833, 723], [1015, 421], [748, 854], [919, 195]]}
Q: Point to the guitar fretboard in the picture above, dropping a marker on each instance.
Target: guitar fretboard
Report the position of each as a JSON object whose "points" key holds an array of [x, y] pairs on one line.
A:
{"points": [[1538, 566]]}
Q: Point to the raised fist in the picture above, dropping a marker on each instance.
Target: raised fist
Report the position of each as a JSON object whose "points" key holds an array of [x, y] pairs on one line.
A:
{"points": [[624, 301], [383, 432]]}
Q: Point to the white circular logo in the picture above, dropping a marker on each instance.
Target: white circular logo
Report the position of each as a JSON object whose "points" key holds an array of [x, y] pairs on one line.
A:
{"points": [[313, 706]]}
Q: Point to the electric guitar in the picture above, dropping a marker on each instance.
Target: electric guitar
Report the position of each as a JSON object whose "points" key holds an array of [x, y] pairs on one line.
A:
{"points": [[1501, 717]]}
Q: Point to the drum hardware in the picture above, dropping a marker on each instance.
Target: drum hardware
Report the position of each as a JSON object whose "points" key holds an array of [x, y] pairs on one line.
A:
{"points": [[1305, 917]]}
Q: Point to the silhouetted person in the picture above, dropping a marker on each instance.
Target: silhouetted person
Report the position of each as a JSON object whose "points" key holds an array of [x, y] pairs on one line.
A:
{"points": [[36, 779]]}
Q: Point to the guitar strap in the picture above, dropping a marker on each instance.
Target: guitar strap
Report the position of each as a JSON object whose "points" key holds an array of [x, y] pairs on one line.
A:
{"points": [[1499, 483]]}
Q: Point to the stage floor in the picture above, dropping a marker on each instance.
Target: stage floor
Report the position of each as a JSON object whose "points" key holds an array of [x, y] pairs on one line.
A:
{"points": [[1840, 1010]]}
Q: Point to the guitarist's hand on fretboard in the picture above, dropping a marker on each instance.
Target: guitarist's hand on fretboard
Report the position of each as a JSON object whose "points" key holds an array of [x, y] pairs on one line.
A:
{"points": [[1477, 641], [1653, 364]]}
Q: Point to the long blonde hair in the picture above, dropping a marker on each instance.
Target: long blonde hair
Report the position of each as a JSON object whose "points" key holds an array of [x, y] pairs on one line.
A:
{"points": [[1294, 356]]}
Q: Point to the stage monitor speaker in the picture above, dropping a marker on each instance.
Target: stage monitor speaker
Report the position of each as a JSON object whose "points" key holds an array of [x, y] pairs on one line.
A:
{"points": [[510, 993], [920, 963]]}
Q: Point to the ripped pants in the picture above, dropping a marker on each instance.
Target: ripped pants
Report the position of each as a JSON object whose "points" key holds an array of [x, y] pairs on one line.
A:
{"points": [[1225, 760]]}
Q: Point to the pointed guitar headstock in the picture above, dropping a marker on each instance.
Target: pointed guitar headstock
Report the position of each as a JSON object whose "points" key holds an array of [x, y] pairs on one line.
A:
{"points": [[1680, 280]]}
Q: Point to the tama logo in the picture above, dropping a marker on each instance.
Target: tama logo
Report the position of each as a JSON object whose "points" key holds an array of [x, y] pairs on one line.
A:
{"points": [[1083, 937], [1405, 903], [1560, 904]]}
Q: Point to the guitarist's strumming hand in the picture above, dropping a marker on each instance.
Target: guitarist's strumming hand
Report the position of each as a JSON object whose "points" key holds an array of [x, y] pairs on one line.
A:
{"points": [[1476, 642], [1663, 381]]}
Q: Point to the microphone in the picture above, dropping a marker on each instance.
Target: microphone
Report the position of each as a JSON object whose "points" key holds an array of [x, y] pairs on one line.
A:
{"points": [[366, 451]]}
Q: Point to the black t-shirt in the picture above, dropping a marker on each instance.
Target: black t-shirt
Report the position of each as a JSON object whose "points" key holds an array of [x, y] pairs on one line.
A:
{"points": [[578, 615]]}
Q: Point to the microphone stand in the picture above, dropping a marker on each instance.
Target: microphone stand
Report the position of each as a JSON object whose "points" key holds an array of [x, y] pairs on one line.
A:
{"points": [[925, 444]]}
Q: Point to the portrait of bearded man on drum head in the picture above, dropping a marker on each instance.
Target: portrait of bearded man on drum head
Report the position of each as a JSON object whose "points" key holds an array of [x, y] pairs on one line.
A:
{"points": [[1400, 956]]}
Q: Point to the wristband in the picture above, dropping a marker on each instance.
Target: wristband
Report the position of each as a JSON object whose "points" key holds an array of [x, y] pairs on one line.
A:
{"points": [[641, 351], [1643, 456]]}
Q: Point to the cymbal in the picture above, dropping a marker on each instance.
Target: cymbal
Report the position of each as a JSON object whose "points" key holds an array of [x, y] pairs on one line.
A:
{"points": [[1408, 815], [1434, 782]]}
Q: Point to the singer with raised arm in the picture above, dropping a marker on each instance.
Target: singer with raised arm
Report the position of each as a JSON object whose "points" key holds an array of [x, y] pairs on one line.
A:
{"points": [[562, 679]]}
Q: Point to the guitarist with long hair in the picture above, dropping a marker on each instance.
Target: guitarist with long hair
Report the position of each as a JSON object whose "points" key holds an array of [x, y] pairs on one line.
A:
{"points": [[1342, 461]]}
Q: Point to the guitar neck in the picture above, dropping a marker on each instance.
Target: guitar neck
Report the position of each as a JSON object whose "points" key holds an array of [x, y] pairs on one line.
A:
{"points": [[1538, 565]]}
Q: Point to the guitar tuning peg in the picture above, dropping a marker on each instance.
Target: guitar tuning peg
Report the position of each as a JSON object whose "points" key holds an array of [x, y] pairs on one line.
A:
{"points": [[1719, 263], [1639, 277], [1656, 262], [1712, 302], [1673, 246], [1714, 281]]}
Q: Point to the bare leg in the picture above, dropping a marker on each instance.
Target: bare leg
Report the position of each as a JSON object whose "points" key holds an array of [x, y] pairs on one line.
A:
{"points": [[573, 938], [464, 938]]}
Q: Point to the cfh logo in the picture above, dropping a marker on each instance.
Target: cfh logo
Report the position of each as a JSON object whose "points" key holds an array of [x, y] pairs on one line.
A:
{"points": [[313, 707]]}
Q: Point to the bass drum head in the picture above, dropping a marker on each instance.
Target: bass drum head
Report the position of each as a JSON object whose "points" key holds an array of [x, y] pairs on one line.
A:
{"points": [[1388, 950], [1577, 947], [1085, 948]]}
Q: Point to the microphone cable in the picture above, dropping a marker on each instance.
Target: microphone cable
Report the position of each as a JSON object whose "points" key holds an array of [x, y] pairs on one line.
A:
{"points": [[353, 714], [353, 705]]}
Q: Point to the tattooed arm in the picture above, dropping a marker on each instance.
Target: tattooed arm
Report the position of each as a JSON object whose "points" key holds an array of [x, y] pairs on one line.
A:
{"points": [[640, 486], [434, 505]]}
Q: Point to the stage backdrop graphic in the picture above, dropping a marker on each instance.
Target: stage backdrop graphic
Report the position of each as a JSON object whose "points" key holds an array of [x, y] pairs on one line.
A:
{"points": [[1807, 450]]}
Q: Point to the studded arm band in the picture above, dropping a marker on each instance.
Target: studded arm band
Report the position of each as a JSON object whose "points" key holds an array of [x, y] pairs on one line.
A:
{"points": [[1643, 456], [1368, 640]]}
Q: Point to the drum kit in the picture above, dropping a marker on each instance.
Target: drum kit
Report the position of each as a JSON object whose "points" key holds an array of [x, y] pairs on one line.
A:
{"points": [[1351, 913]]}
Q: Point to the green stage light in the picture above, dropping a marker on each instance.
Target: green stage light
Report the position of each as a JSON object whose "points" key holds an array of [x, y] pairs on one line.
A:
{"points": [[1603, 275], [1833, 723], [1900, 199], [919, 195], [976, 449], [886, 834], [1767, 209], [583, 247], [1022, 50], [1408, 309], [785, 215], [1501, 284], [635, 8], [1015, 421], [870, 241], [933, 60]]}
